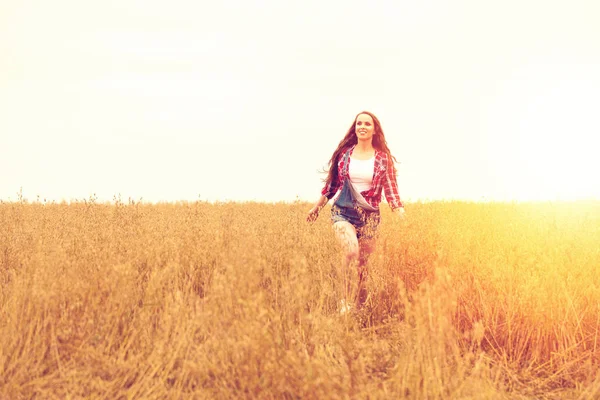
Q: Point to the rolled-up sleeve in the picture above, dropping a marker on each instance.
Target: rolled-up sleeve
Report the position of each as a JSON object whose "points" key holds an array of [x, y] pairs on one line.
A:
{"points": [[331, 188], [390, 185]]}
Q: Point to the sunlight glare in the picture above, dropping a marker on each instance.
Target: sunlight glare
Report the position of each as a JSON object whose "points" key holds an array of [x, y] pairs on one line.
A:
{"points": [[545, 133]]}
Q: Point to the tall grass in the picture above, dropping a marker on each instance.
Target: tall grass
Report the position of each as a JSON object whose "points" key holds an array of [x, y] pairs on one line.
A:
{"points": [[232, 300]]}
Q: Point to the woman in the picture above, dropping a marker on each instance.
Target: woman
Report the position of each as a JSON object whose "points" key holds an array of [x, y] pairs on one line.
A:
{"points": [[362, 166]]}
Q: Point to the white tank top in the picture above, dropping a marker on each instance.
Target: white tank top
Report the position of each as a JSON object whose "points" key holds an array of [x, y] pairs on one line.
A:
{"points": [[361, 173]]}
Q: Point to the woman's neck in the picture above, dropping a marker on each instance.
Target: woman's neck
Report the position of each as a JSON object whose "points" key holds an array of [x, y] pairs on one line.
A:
{"points": [[364, 146]]}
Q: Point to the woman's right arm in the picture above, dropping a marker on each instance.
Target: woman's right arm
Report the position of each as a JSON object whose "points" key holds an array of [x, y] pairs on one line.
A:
{"points": [[314, 212], [330, 189]]}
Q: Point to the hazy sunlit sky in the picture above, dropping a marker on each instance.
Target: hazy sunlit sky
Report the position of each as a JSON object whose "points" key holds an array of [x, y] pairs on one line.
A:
{"points": [[246, 100]]}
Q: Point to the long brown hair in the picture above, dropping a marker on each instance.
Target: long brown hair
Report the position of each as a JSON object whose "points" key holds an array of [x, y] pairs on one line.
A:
{"points": [[379, 143]]}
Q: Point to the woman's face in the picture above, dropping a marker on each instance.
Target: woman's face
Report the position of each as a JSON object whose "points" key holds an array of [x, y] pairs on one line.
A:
{"points": [[364, 126]]}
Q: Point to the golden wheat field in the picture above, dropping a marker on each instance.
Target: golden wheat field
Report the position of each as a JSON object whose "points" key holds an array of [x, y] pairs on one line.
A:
{"points": [[129, 300]]}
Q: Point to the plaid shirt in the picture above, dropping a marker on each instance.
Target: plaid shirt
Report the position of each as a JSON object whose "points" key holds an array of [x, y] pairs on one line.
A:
{"points": [[383, 179]]}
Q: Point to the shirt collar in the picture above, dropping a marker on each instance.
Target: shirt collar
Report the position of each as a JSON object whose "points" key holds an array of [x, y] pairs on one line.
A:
{"points": [[377, 152]]}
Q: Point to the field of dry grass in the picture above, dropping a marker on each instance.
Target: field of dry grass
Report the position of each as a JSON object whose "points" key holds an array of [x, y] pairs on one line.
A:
{"points": [[217, 301]]}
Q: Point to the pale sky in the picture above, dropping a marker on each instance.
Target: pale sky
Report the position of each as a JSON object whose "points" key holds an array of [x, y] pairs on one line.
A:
{"points": [[246, 100]]}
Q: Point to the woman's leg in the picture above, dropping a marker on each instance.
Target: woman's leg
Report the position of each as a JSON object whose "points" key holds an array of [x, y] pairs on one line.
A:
{"points": [[346, 234], [366, 247]]}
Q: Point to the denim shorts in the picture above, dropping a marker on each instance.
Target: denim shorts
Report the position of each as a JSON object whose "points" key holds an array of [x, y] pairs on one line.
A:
{"points": [[365, 222], [345, 209]]}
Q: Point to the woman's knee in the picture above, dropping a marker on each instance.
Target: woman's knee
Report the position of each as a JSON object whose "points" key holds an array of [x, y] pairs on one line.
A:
{"points": [[366, 248], [347, 235], [352, 253]]}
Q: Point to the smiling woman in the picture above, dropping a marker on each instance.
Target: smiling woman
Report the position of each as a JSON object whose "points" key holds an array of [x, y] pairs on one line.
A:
{"points": [[360, 169]]}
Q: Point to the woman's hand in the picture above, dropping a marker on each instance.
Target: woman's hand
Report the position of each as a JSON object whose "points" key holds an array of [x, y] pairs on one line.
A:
{"points": [[313, 214], [400, 212]]}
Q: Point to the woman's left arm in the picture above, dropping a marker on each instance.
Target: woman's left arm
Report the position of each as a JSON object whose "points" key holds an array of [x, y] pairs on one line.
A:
{"points": [[390, 189]]}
